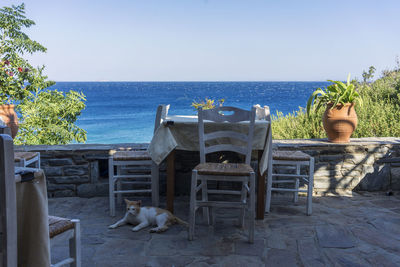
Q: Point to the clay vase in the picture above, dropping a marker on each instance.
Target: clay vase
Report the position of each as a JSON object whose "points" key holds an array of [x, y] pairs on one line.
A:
{"points": [[10, 118], [340, 122]]}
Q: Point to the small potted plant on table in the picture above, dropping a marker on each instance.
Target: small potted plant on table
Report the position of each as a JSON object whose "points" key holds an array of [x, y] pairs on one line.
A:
{"points": [[340, 117]]}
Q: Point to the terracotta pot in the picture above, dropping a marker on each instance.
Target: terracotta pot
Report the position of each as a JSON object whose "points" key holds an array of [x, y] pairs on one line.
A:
{"points": [[340, 122], [10, 118]]}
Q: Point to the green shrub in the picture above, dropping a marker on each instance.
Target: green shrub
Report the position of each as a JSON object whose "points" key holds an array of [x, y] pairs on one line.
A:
{"points": [[297, 125], [49, 117], [379, 116]]}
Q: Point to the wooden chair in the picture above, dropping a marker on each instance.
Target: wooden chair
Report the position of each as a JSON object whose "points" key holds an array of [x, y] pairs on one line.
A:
{"points": [[288, 167], [126, 162], [25, 159], [291, 167], [234, 172], [58, 229], [8, 205]]}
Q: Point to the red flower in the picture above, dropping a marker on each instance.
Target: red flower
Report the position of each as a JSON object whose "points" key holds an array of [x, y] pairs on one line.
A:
{"points": [[7, 62], [20, 69]]}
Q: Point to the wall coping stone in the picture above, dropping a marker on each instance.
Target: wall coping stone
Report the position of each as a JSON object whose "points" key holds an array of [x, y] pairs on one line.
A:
{"points": [[365, 141], [281, 143], [82, 147]]}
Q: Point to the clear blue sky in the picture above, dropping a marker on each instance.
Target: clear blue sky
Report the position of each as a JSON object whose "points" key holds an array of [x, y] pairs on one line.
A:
{"points": [[213, 40]]}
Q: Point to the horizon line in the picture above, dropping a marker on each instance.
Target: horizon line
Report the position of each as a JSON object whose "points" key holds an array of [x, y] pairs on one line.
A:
{"points": [[205, 81]]}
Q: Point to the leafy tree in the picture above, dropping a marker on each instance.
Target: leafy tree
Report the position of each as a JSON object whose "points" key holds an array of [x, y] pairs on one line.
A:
{"points": [[46, 116]]}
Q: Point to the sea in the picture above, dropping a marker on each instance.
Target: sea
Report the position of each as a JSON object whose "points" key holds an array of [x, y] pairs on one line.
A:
{"points": [[124, 112]]}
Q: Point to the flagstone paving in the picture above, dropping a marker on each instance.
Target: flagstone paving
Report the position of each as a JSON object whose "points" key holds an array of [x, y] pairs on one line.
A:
{"points": [[344, 230]]}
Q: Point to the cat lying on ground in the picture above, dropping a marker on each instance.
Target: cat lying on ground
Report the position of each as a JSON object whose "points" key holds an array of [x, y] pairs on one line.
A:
{"points": [[145, 216]]}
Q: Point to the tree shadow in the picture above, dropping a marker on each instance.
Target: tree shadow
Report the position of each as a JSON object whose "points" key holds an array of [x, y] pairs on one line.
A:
{"points": [[357, 166]]}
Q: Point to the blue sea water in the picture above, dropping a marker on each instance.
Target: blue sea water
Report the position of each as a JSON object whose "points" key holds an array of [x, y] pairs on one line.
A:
{"points": [[123, 112]]}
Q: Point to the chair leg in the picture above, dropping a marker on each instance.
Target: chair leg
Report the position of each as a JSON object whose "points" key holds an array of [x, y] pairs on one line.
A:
{"points": [[119, 186], [204, 197], [75, 244], [192, 211], [111, 186], [310, 187], [252, 207], [296, 185], [296, 193], [242, 199], [155, 185]]}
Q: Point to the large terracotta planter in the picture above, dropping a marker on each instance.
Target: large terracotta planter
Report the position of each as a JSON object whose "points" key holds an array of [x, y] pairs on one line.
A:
{"points": [[10, 118], [340, 122]]}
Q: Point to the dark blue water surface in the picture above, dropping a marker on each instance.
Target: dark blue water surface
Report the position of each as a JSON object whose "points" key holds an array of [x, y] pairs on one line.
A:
{"points": [[119, 112]]}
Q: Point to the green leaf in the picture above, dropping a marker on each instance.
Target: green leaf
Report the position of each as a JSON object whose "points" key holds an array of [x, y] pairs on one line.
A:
{"points": [[348, 79], [312, 97]]}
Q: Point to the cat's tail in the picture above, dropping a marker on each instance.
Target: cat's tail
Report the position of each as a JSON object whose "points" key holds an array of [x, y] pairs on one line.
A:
{"points": [[179, 221]]}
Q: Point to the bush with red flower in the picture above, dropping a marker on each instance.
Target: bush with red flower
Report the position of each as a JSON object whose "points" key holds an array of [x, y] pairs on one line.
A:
{"points": [[12, 82]]}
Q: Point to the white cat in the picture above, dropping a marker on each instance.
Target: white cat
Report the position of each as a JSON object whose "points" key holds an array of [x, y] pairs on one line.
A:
{"points": [[145, 216]]}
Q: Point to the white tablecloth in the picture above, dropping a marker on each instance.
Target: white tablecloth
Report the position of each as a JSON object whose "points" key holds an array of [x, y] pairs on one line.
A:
{"points": [[182, 134], [32, 219]]}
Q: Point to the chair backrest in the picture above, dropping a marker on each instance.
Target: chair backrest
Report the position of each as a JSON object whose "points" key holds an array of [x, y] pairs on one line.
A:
{"points": [[5, 130], [8, 209], [162, 112], [220, 115]]}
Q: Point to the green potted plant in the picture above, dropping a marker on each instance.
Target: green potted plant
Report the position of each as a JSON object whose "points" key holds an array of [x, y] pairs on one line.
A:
{"points": [[340, 117], [207, 103]]}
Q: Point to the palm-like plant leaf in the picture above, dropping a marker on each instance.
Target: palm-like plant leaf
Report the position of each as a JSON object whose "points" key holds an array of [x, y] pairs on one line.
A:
{"points": [[312, 98]]}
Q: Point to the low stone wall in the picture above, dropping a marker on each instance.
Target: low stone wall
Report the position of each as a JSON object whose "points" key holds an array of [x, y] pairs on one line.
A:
{"points": [[77, 169], [367, 164]]}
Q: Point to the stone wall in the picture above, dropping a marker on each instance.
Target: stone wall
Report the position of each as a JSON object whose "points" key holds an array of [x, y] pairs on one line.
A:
{"points": [[364, 164], [77, 170], [369, 164]]}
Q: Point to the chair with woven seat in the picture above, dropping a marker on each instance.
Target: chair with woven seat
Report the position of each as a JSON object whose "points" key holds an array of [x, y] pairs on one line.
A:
{"points": [[24, 159], [291, 167], [288, 167], [216, 141], [59, 227], [131, 168]]}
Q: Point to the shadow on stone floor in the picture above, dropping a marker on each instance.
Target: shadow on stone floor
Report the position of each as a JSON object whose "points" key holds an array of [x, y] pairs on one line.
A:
{"points": [[350, 230]]}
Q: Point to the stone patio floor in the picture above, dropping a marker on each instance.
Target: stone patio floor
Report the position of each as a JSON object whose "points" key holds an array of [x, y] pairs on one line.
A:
{"points": [[353, 229]]}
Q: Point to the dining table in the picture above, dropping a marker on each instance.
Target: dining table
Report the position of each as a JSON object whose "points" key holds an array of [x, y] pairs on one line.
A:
{"points": [[180, 132], [32, 218]]}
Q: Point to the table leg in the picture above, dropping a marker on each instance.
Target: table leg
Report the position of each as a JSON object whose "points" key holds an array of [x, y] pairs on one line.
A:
{"points": [[260, 190], [170, 181]]}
